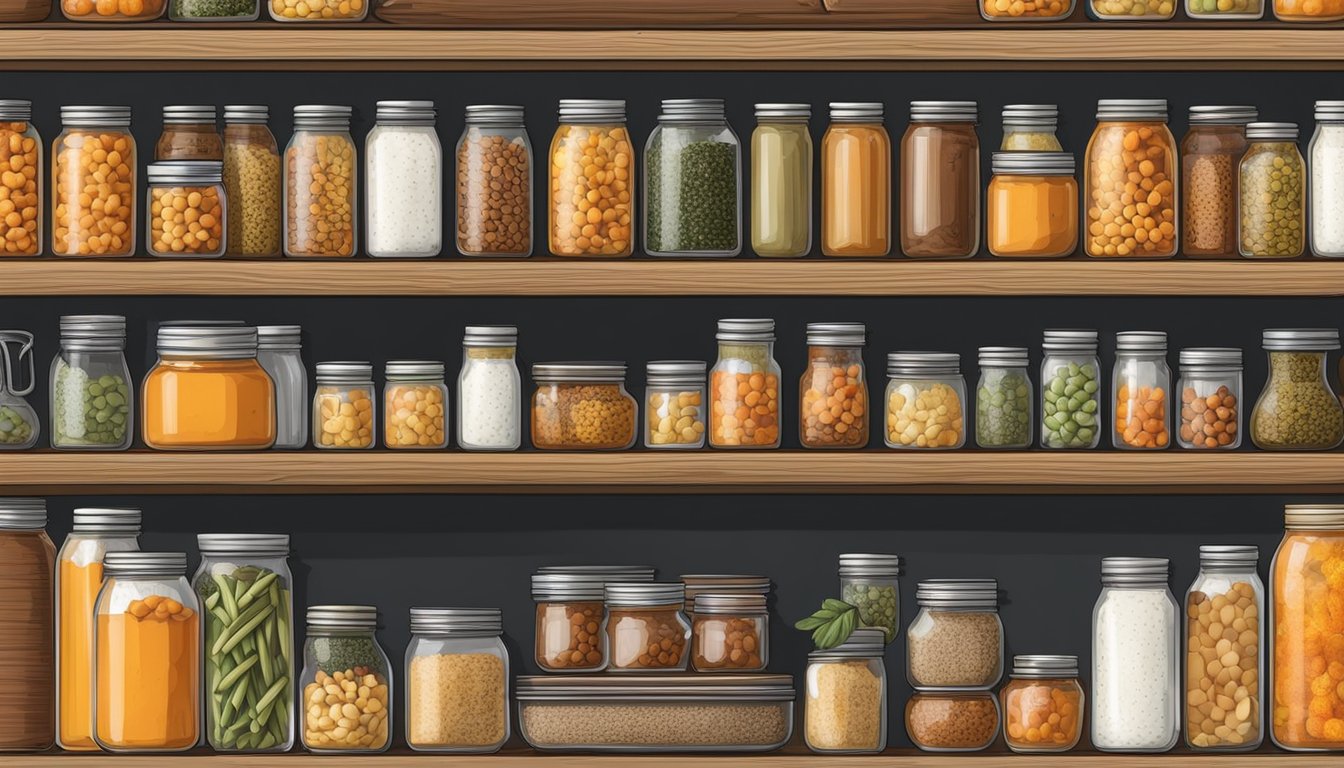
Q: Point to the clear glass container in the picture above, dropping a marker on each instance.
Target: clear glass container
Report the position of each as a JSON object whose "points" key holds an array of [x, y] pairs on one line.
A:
{"points": [[647, 628], [214, 10], [22, 219], [1141, 381], [1025, 10], [1003, 407], [781, 181], [278, 351], [1030, 127], [494, 183], [926, 396], [1132, 10], [1225, 652], [582, 407], [692, 182], [1309, 10], [28, 635], [1032, 205], [674, 404], [744, 386], [457, 681], [112, 10], [1298, 410], [319, 10], [730, 633], [94, 151], [571, 614], [1135, 658], [722, 584], [1273, 201], [1042, 705], [1225, 10], [845, 704], [320, 183], [940, 181], [346, 677], [188, 209], [870, 583], [489, 390], [955, 642], [343, 410], [944, 721], [245, 587], [189, 133], [415, 405], [24, 11], [856, 182], [592, 156], [1129, 218], [208, 392], [1070, 390], [833, 394], [251, 182], [147, 657], [1326, 155], [1211, 397], [19, 425], [1210, 158], [403, 182], [91, 401]]}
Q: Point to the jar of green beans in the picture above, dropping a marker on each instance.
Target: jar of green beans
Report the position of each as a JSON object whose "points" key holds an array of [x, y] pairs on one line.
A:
{"points": [[693, 182], [1070, 390], [1003, 399], [1273, 200]]}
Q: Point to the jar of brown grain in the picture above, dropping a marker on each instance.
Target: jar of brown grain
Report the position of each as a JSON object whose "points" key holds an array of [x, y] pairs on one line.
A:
{"points": [[189, 133], [494, 183], [730, 633], [647, 630], [1210, 154]]}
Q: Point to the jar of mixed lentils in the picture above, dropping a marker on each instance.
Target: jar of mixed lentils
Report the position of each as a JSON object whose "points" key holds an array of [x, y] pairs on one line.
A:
{"points": [[1003, 407], [93, 137], [91, 404], [1033, 205], [343, 411], [494, 183], [489, 390], [1273, 201], [188, 211], [952, 721], [251, 182], [940, 181], [1327, 180], [926, 396], [674, 404], [1210, 156], [592, 157], [744, 386], [647, 628], [403, 182], [1298, 410], [341, 653], [692, 182], [856, 181], [1070, 389], [21, 181], [781, 181], [845, 709], [870, 583], [833, 394], [955, 642], [730, 633], [1141, 382], [582, 407], [189, 133], [320, 185], [1131, 176], [1042, 705], [1211, 397], [571, 614], [415, 405], [1030, 128]]}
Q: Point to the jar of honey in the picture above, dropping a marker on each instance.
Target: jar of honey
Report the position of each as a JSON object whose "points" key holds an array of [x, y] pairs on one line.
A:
{"points": [[208, 392]]}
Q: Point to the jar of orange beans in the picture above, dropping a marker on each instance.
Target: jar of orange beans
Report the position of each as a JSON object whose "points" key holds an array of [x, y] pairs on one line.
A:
{"points": [[187, 209], [112, 10], [744, 386], [1025, 10], [592, 200], [1042, 704], [1142, 384], [21, 185], [1309, 10], [833, 399], [1130, 182], [1210, 387], [93, 200], [343, 411]]}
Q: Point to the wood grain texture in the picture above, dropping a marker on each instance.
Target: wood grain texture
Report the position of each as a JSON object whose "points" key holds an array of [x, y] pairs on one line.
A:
{"points": [[631, 13]]}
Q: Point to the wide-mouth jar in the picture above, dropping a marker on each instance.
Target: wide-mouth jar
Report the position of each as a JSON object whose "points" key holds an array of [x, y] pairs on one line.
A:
{"points": [[1032, 205], [188, 209], [926, 396], [1042, 704], [571, 619], [1210, 385], [955, 642], [208, 392], [457, 681], [845, 704], [647, 628], [674, 404], [341, 651], [343, 409], [730, 633], [592, 156], [1298, 409], [582, 406], [947, 721], [833, 399], [91, 399], [415, 405]]}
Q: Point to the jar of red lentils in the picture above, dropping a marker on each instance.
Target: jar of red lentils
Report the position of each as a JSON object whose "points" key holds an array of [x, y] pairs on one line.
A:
{"points": [[1042, 704], [1130, 189], [744, 386], [21, 221], [592, 200], [93, 200]]}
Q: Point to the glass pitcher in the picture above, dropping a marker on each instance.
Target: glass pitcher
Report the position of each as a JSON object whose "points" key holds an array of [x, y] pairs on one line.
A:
{"points": [[18, 421]]}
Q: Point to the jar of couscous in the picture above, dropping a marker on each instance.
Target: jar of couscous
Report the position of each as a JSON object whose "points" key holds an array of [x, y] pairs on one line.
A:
{"points": [[744, 386], [343, 410], [582, 407], [845, 704], [457, 681], [926, 397], [591, 209], [93, 183], [21, 181], [1131, 180], [955, 642]]}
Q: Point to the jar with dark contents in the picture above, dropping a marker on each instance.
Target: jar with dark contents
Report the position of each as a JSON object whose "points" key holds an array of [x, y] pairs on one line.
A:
{"points": [[571, 615], [582, 406], [1297, 409], [833, 393], [869, 583], [189, 133], [952, 722], [1210, 154], [940, 181], [494, 183], [693, 182], [1273, 201], [729, 633], [647, 630]]}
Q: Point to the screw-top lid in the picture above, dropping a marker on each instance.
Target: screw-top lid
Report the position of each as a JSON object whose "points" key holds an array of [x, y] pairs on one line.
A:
{"points": [[958, 593], [783, 111], [1003, 357], [870, 565], [1033, 163], [144, 564], [1313, 517], [1271, 131], [344, 372], [208, 343], [862, 643], [458, 622], [836, 334], [342, 617], [1300, 339], [93, 116], [279, 337], [1330, 111], [592, 110], [602, 372], [20, 110], [1040, 667], [107, 520], [90, 333], [711, 604], [1030, 115], [675, 373], [725, 583], [239, 544], [185, 172], [494, 114], [583, 582], [322, 116], [1110, 110], [691, 111], [1069, 340], [405, 112], [1228, 555], [857, 111], [749, 330], [1141, 341], [643, 594], [189, 114], [1211, 358], [23, 514], [923, 363], [1134, 570], [254, 114], [1223, 115], [416, 370], [944, 112], [490, 336]]}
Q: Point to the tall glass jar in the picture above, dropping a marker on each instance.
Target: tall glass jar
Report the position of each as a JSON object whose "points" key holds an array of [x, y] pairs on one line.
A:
{"points": [[845, 696], [343, 410], [188, 209], [744, 386], [342, 649], [320, 183], [1131, 181], [833, 394], [940, 181], [1135, 661], [251, 182], [489, 390], [1273, 201], [926, 401], [1042, 705], [870, 583], [403, 181], [147, 669], [582, 407], [457, 681], [647, 628], [278, 351], [1327, 180], [1003, 407], [1032, 205], [93, 137], [27, 637], [592, 157], [674, 404], [692, 182], [1225, 672], [21, 180], [1298, 410], [955, 642], [1141, 382], [91, 406], [415, 405], [1030, 127], [781, 181], [494, 183], [1211, 397], [1309, 11], [189, 133], [1070, 390], [730, 633], [19, 425], [244, 581], [1210, 157], [856, 182], [208, 392]]}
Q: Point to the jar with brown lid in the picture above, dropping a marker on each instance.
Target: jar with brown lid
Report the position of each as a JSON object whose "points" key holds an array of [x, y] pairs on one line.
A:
{"points": [[189, 133], [647, 630], [27, 636], [1210, 153], [730, 633], [940, 181], [571, 614], [582, 406], [494, 183]]}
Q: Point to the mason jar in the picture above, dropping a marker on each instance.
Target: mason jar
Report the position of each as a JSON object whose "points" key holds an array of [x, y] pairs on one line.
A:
{"points": [[1210, 156], [251, 182], [278, 351], [1070, 390], [730, 633], [457, 681], [692, 182], [403, 182], [1326, 161], [582, 406], [744, 386], [1003, 407], [1298, 409], [647, 629], [1272, 205], [27, 636], [1131, 145], [1032, 204], [845, 696], [955, 641], [23, 179], [188, 210], [833, 394], [189, 133], [870, 583], [571, 632], [940, 181], [89, 133], [342, 650], [722, 584], [1225, 651], [674, 404], [856, 181], [926, 396], [781, 181], [1030, 127], [592, 130], [181, 400], [1141, 381], [494, 183], [19, 425], [91, 402], [343, 409], [415, 405], [1042, 705], [1211, 398], [952, 721], [489, 390], [320, 183]]}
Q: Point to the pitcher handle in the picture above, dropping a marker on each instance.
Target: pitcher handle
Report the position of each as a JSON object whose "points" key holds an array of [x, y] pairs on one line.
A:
{"points": [[25, 341]]}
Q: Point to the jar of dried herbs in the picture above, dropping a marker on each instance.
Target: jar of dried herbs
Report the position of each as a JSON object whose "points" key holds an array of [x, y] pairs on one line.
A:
{"points": [[693, 182], [1298, 410], [1273, 193], [214, 10]]}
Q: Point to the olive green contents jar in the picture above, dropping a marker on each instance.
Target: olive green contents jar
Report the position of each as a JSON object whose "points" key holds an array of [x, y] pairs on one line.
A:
{"points": [[1298, 411], [1273, 197], [693, 182], [781, 181]]}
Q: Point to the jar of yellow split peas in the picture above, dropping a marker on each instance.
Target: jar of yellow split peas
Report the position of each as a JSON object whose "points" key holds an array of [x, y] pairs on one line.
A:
{"points": [[592, 199], [22, 199], [93, 183], [112, 10], [1131, 178], [415, 405], [318, 10], [343, 413], [744, 386], [187, 209], [1309, 10], [926, 397]]}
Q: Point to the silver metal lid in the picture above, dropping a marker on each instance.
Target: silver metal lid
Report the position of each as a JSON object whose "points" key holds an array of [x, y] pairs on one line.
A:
{"points": [[1223, 115], [746, 329], [1271, 131], [1030, 115], [724, 584], [107, 520], [1134, 570], [239, 544], [94, 116], [145, 564], [601, 372], [190, 114], [1069, 340], [923, 363], [836, 334], [714, 604], [944, 112], [345, 372], [23, 514], [1330, 111], [253, 114], [16, 109], [1003, 357], [1110, 110], [414, 370], [636, 594], [958, 593], [280, 337], [91, 333], [1313, 517], [1041, 667], [862, 643], [691, 111], [783, 111], [1212, 358], [490, 336], [1300, 339], [364, 617], [1033, 163], [1228, 555], [592, 110], [675, 373], [208, 343], [457, 622], [322, 116], [202, 323], [405, 112], [494, 114], [601, 570], [185, 172], [857, 111], [871, 565], [1141, 341], [656, 688], [583, 582]]}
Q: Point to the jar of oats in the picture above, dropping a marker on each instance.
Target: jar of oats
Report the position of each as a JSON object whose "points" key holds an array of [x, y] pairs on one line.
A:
{"points": [[956, 639], [251, 182], [583, 407], [494, 183], [320, 183], [93, 200]]}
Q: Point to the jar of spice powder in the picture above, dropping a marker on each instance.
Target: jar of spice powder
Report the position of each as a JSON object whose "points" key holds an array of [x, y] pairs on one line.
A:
{"points": [[320, 176], [27, 637], [1130, 184], [944, 721], [1298, 409], [647, 629], [1211, 398], [1225, 651], [93, 137], [494, 183], [592, 157], [781, 181], [21, 180], [1141, 382], [251, 182], [730, 633], [1210, 156], [926, 401], [582, 406], [489, 390], [187, 209], [856, 182], [744, 386], [403, 181], [845, 704], [1030, 127], [1273, 200], [674, 404], [342, 659], [1042, 704], [457, 681], [343, 409], [1033, 205], [415, 405], [833, 394], [1327, 180], [870, 583], [956, 639], [189, 133], [940, 181], [1003, 408], [692, 182]]}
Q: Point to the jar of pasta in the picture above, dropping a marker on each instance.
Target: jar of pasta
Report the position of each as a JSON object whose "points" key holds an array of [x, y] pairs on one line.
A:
{"points": [[457, 681], [189, 133], [583, 407], [320, 185], [1297, 409], [647, 628], [112, 10], [1211, 396], [1070, 390], [692, 182], [1309, 10], [489, 390], [1225, 671], [592, 199], [730, 633], [571, 614], [27, 557], [674, 404], [1210, 157], [91, 403], [1033, 204], [955, 642], [1141, 382], [184, 404], [940, 181], [856, 181], [1273, 200], [415, 405], [1130, 183], [1326, 163], [870, 583], [1042, 704], [341, 653], [845, 704], [19, 425], [744, 386], [833, 393], [318, 10], [1003, 407], [93, 179], [952, 721], [926, 396], [187, 209], [279, 350], [781, 181], [21, 181], [494, 183], [343, 412], [403, 182], [251, 182]]}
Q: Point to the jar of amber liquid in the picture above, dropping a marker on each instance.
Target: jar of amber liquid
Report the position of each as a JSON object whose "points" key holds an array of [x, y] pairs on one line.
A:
{"points": [[833, 393], [940, 181], [1042, 704], [208, 391], [592, 200], [1210, 154], [189, 133], [856, 182], [647, 630], [93, 183], [1309, 10], [1033, 204], [1131, 181]]}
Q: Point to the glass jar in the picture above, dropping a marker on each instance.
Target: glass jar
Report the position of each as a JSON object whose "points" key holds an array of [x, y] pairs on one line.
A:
{"points": [[251, 182], [147, 668], [494, 183], [1141, 382], [19, 425], [833, 393], [674, 404], [1070, 390], [214, 10], [647, 629], [24, 11], [457, 681], [1135, 661], [571, 615], [112, 10], [737, 418], [1297, 409], [187, 208], [189, 133], [1003, 407], [945, 721], [1227, 10], [1308, 10], [722, 584], [319, 10], [692, 182], [1033, 205], [730, 633], [1327, 180], [208, 392], [582, 407], [1125, 218], [1273, 199], [856, 182], [21, 180], [342, 648], [955, 642], [781, 181], [415, 405], [91, 406], [1030, 127], [278, 352], [1131, 10], [592, 156], [1224, 608], [246, 575], [1210, 158], [870, 583], [1042, 705], [320, 182], [940, 181], [845, 705], [489, 390], [403, 181], [925, 397], [27, 638], [87, 134], [343, 412], [1025, 10], [1210, 387], [1305, 634]]}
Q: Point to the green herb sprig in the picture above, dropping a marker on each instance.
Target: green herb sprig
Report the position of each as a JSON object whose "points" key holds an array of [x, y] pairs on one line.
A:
{"points": [[832, 625]]}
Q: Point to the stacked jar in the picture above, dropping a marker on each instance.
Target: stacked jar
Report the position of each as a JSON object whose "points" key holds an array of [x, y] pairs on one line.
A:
{"points": [[1211, 396], [744, 386], [582, 406], [27, 637], [1225, 650], [320, 176], [1033, 205], [1003, 408], [415, 405], [647, 629], [571, 615], [403, 181], [494, 183], [183, 409], [1131, 178], [592, 181], [833, 394], [188, 210], [925, 400], [346, 676], [1030, 127], [1141, 382], [692, 182], [1043, 705], [1298, 409], [856, 182], [722, 584], [845, 710], [781, 181], [21, 180], [1210, 157], [1327, 180], [91, 403], [93, 183], [870, 583], [940, 181], [1273, 198], [278, 352], [19, 425], [489, 390], [674, 404], [343, 411], [457, 681], [251, 182]]}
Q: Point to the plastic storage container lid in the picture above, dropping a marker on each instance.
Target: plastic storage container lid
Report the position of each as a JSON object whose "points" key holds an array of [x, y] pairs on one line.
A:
{"points": [[289, 337], [1045, 666], [145, 564], [1214, 358], [1330, 111], [836, 334], [875, 565], [345, 372], [746, 329], [1228, 554], [658, 687], [1131, 109], [1134, 570], [490, 336], [259, 544], [209, 343], [1313, 517], [405, 112], [1004, 357], [862, 644], [1033, 163], [90, 116], [643, 594], [1031, 115], [1223, 115], [1069, 340], [857, 111], [342, 617], [256, 114], [23, 514], [189, 114], [107, 520], [413, 369], [459, 622], [782, 110], [675, 373], [958, 593], [592, 110], [713, 604], [1141, 341], [601, 372], [16, 109], [1300, 339], [922, 363], [502, 114], [944, 111], [691, 110], [185, 172]]}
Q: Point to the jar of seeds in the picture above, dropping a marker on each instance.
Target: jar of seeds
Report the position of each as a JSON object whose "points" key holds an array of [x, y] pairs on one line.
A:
{"points": [[869, 583], [1273, 193], [956, 639], [693, 182], [1298, 410]]}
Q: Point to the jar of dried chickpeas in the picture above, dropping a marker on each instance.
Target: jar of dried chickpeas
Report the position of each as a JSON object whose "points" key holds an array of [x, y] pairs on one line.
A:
{"points": [[415, 405], [187, 209], [93, 200], [343, 412], [674, 404], [833, 393], [251, 182], [582, 407], [1210, 387], [318, 10], [320, 183], [926, 401], [744, 386], [592, 199], [1130, 185], [494, 183], [21, 182]]}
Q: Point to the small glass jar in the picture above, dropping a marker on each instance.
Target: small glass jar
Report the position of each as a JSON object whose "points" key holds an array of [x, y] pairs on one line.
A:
{"points": [[925, 398], [1030, 127], [319, 10], [251, 182], [208, 392], [1225, 10], [1273, 201], [1141, 382], [730, 633], [571, 615], [871, 583], [722, 584], [692, 182], [1224, 611], [647, 628], [845, 696], [342, 648], [489, 390], [1327, 180], [1135, 658], [1132, 10], [781, 181], [278, 352], [674, 404], [1070, 390], [242, 575], [457, 681], [1003, 407], [189, 133], [112, 10], [494, 183], [28, 636], [1131, 141], [1033, 205], [19, 425], [91, 403], [320, 182], [944, 721], [833, 394], [343, 412], [744, 386], [1025, 10], [89, 133], [1308, 11], [1210, 157], [592, 131], [214, 10], [147, 655], [188, 209], [940, 181], [1210, 387], [1042, 705], [1298, 410], [21, 180], [403, 182], [955, 642], [582, 407], [415, 405], [856, 182]]}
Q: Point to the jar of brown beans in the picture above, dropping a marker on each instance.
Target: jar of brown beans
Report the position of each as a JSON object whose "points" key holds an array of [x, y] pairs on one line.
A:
{"points": [[187, 209], [1131, 182], [21, 198], [320, 183], [833, 393], [93, 200], [571, 614], [592, 197], [582, 407], [1210, 390], [494, 183], [729, 633], [647, 630]]}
